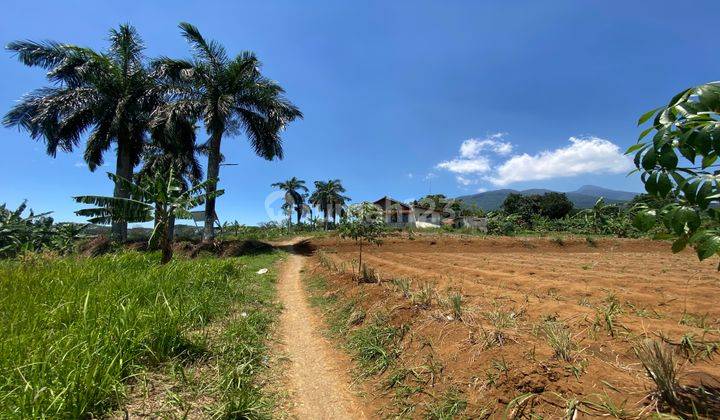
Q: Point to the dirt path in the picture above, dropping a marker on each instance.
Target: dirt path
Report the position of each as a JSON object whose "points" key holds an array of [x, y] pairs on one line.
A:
{"points": [[319, 386]]}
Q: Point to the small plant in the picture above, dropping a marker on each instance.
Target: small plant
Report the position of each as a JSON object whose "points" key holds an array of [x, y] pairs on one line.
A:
{"points": [[516, 407], [687, 345], [560, 340], [607, 313], [364, 224], [456, 305], [403, 285], [423, 297], [558, 240], [447, 407], [608, 407], [660, 365], [502, 319], [591, 242], [368, 275], [693, 320]]}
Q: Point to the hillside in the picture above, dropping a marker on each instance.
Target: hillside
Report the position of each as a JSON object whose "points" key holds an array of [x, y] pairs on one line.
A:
{"points": [[583, 197]]}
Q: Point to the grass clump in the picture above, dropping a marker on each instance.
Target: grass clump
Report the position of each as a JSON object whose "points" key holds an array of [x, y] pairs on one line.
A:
{"points": [[560, 340], [376, 345], [368, 274], [447, 407], [72, 329], [662, 368], [403, 285], [424, 297], [606, 314], [456, 305]]}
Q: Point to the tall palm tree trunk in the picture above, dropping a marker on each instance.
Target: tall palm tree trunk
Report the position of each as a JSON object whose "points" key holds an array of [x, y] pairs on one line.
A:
{"points": [[213, 171], [124, 169], [171, 228], [165, 241], [325, 216]]}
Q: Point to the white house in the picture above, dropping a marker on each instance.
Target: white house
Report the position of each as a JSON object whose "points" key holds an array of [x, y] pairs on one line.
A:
{"points": [[399, 214]]}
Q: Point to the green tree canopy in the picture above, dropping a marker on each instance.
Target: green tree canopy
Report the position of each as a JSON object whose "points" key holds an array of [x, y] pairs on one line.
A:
{"points": [[229, 95], [328, 196], [111, 94], [680, 159]]}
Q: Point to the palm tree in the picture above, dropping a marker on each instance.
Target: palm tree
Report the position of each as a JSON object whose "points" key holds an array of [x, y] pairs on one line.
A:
{"points": [[228, 95], [159, 197], [172, 148], [328, 196], [294, 200], [111, 94]]}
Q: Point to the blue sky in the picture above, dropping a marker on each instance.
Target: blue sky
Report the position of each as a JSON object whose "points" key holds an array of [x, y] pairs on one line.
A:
{"points": [[399, 97]]}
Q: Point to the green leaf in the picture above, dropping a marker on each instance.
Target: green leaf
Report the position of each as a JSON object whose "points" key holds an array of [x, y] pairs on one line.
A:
{"points": [[688, 152], [684, 217], [646, 116], [645, 132], [680, 244], [708, 246], [709, 160], [704, 194], [664, 185], [651, 184], [649, 159], [690, 190], [668, 159], [635, 147]]}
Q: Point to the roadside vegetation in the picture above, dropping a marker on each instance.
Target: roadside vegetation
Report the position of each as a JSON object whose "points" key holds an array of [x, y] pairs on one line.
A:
{"points": [[76, 331]]}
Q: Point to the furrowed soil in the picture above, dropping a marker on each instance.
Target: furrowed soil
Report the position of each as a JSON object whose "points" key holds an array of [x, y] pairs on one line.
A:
{"points": [[479, 312]]}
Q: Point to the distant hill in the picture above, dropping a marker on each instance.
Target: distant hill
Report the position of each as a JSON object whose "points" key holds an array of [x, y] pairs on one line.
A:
{"points": [[584, 197]]}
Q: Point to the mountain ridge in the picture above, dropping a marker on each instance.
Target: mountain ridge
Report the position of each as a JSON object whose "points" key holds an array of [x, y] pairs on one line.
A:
{"points": [[583, 197]]}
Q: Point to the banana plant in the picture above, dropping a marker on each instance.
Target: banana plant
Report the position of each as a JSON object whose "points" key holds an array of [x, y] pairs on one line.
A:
{"points": [[159, 197], [599, 215]]}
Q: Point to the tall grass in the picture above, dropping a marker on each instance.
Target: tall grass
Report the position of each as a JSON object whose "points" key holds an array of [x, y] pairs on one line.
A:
{"points": [[73, 330]]}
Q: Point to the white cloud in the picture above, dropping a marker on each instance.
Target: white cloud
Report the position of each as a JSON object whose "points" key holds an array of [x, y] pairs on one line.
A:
{"points": [[80, 164], [430, 175], [471, 148], [410, 175], [471, 160], [481, 190], [465, 181], [479, 164], [588, 155]]}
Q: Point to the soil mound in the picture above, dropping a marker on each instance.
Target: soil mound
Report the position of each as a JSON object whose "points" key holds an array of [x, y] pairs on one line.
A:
{"points": [[233, 248], [98, 245]]}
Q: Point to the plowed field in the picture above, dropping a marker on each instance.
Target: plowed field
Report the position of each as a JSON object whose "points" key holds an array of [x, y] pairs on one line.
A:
{"points": [[608, 295]]}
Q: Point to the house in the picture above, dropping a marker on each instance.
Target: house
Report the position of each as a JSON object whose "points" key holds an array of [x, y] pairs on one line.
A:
{"points": [[399, 214]]}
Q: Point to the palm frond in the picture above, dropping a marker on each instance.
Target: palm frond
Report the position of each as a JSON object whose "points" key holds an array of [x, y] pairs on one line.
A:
{"points": [[211, 51], [45, 54]]}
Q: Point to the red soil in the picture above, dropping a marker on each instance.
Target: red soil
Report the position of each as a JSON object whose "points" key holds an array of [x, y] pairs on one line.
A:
{"points": [[526, 283]]}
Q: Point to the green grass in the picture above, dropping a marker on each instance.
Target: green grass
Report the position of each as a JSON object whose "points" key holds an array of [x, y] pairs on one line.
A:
{"points": [[73, 330]]}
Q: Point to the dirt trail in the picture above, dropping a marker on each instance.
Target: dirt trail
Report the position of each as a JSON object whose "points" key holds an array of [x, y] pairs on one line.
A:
{"points": [[320, 387]]}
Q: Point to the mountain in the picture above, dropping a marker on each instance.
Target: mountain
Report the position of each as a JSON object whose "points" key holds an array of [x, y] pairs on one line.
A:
{"points": [[584, 197]]}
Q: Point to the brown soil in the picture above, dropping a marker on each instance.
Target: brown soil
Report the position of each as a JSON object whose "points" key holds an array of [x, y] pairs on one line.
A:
{"points": [[224, 248], [96, 246], [511, 289], [316, 375]]}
